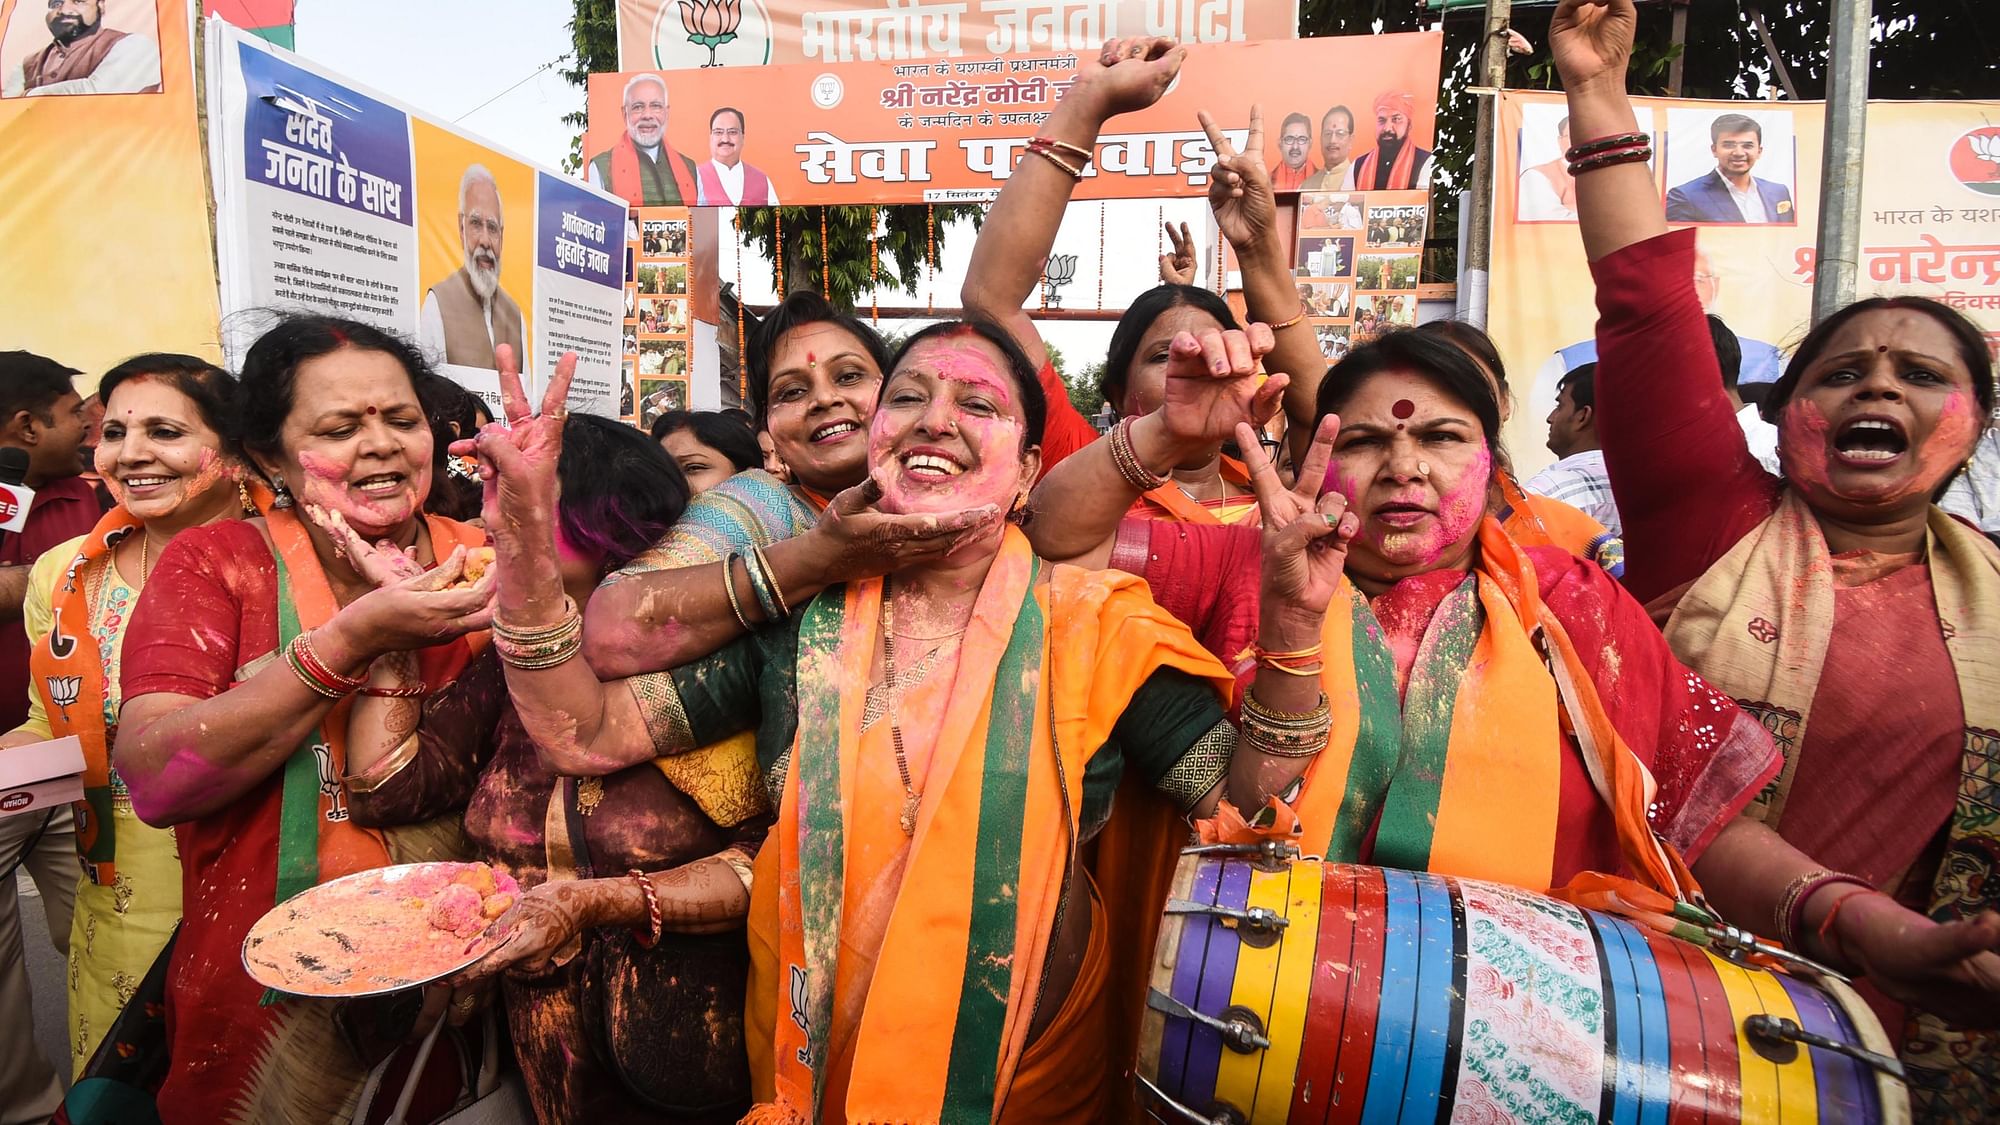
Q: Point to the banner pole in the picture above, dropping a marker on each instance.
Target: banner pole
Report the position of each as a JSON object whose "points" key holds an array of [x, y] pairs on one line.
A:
{"points": [[1478, 223], [1839, 243]]}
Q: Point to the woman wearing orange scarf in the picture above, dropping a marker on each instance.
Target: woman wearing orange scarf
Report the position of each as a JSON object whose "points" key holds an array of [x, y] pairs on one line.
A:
{"points": [[163, 454], [940, 745], [242, 659]]}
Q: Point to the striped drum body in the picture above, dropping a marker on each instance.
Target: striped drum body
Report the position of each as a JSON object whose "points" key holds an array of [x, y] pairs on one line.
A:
{"points": [[1392, 997]]}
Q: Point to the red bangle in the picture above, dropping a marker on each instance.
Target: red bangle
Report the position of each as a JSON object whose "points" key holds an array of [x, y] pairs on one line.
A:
{"points": [[1614, 156], [1605, 144], [650, 937], [306, 663], [412, 691]]}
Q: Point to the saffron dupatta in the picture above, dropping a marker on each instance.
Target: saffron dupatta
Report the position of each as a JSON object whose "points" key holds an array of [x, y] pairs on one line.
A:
{"points": [[1168, 502], [1043, 675]]}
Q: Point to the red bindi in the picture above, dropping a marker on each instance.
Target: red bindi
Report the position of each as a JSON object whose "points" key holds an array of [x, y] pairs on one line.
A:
{"points": [[1403, 409], [371, 410]]}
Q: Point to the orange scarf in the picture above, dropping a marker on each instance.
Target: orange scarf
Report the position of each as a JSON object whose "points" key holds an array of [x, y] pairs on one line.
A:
{"points": [[1170, 503], [1043, 674]]}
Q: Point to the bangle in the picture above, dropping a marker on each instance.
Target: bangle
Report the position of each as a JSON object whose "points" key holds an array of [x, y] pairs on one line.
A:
{"points": [[1826, 938], [306, 664], [1081, 153], [1287, 720], [771, 579], [535, 634], [764, 585], [1284, 324], [543, 647], [729, 587], [1604, 144], [408, 691], [1607, 159], [1282, 734], [649, 937], [1072, 171], [1791, 906], [1126, 460], [1290, 663]]}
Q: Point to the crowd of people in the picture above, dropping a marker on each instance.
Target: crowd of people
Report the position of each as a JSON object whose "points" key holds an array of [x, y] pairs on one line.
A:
{"points": [[845, 746]]}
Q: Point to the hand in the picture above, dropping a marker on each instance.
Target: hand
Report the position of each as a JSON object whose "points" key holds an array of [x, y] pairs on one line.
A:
{"points": [[1951, 969], [456, 1004], [517, 461], [1306, 532], [1213, 386], [855, 541], [382, 563], [1239, 187], [1177, 268], [1129, 74], [410, 613], [1517, 43], [545, 919], [1591, 41]]}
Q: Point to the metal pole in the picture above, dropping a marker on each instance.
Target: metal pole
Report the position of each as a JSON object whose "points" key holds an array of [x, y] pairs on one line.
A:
{"points": [[1478, 219], [1838, 253]]}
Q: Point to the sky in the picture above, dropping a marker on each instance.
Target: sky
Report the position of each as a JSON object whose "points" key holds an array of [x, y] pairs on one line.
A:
{"points": [[489, 67]]}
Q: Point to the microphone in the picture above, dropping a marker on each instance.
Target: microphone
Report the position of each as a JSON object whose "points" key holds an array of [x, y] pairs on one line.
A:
{"points": [[15, 496]]}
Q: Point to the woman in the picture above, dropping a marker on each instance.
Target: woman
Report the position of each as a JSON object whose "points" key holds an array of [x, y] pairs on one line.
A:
{"points": [[163, 451], [676, 1008], [1836, 601], [243, 658], [1008, 698], [710, 446], [1205, 485]]}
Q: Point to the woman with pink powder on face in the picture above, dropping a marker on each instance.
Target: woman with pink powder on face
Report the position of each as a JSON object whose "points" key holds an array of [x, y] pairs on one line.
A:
{"points": [[1836, 601]]}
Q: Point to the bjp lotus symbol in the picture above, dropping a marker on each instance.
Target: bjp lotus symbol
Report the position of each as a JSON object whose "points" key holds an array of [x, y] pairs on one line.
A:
{"points": [[711, 23]]}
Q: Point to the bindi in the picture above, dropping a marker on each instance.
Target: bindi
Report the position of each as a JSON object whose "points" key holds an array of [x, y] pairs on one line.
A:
{"points": [[812, 362], [1403, 409], [371, 410]]}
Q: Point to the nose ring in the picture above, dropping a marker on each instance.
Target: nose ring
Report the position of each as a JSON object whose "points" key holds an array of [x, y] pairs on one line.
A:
{"points": [[1423, 468]]}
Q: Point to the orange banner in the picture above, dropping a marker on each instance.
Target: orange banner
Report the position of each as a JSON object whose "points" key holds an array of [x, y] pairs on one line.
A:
{"points": [[683, 34], [951, 132]]}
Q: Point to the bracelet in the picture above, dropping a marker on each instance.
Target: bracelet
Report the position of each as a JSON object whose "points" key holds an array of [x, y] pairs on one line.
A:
{"points": [[547, 646], [649, 937], [765, 586], [1290, 663], [1072, 171], [771, 576], [1081, 153], [306, 664], [1826, 939], [1799, 892], [535, 634], [1285, 735], [1607, 159], [1287, 720], [411, 691], [1284, 324], [1126, 460], [1602, 144], [729, 587]]}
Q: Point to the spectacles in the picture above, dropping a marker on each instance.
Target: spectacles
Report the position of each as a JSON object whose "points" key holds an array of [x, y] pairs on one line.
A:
{"points": [[1294, 142], [725, 132]]}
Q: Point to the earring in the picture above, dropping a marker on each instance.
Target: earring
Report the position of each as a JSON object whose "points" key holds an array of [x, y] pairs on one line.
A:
{"points": [[281, 496], [243, 498]]}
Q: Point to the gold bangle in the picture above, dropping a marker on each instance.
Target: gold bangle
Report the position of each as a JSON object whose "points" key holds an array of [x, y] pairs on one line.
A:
{"points": [[1083, 154], [1074, 173], [1284, 324], [729, 587]]}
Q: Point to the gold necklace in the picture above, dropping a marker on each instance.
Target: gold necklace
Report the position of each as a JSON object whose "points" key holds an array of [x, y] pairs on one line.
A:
{"points": [[912, 800], [145, 549]]}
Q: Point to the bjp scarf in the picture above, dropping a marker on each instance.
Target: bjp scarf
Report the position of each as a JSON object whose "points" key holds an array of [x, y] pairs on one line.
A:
{"points": [[626, 180], [1168, 502], [1484, 714], [1756, 625], [1542, 521], [67, 668], [1043, 675]]}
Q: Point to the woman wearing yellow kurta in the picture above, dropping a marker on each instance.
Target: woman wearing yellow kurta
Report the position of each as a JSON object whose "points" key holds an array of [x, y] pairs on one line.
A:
{"points": [[940, 744], [161, 454]]}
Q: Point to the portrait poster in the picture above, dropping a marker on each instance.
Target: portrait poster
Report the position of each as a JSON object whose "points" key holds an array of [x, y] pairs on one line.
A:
{"points": [[335, 199], [1930, 226], [659, 363], [951, 131], [690, 34], [1359, 255], [102, 176]]}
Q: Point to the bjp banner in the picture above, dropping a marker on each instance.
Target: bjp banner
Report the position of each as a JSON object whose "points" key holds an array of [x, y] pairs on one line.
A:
{"points": [[334, 199], [101, 174], [951, 132], [676, 34], [1746, 175]]}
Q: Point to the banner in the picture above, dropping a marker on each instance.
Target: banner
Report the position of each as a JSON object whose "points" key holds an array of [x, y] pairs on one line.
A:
{"points": [[685, 34], [1930, 209], [659, 326], [101, 174], [950, 132], [267, 19], [1359, 256], [335, 199]]}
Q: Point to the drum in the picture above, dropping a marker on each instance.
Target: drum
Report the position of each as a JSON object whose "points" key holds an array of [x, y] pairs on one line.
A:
{"points": [[1301, 991]]}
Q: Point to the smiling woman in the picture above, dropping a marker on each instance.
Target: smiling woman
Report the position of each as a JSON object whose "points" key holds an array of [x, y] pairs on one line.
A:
{"points": [[247, 646]]}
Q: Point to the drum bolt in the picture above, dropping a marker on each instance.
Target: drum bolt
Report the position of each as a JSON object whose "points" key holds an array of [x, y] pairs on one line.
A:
{"points": [[1779, 1030]]}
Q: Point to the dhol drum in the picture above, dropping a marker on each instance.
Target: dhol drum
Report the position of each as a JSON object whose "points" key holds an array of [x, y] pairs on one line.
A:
{"points": [[1302, 991]]}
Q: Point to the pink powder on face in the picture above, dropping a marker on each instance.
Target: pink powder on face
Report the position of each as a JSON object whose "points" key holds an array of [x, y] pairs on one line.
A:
{"points": [[1459, 510], [326, 484], [1802, 444]]}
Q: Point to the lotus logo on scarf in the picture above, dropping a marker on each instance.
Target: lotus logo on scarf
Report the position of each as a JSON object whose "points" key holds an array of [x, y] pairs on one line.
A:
{"points": [[800, 1000], [329, 783], [711, 23], [64, 690]]}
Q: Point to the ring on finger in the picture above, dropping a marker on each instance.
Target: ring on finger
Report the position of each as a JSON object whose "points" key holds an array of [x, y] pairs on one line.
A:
{"points": [[464, 1005]]}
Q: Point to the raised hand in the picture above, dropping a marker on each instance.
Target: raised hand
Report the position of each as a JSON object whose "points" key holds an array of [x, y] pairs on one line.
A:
{"points": [[1591, 40], [517, 461], [1178, 267], [1131, 73], [1306, 532], [1215, 382], [1239, 187]]}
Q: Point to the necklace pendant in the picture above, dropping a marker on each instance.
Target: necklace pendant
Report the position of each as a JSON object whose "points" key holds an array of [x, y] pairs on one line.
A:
{"points": [[909, 818]]}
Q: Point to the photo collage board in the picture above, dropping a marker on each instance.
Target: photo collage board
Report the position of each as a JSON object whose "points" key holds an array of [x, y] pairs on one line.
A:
{"points": [[658, 331], [1359, 257]]}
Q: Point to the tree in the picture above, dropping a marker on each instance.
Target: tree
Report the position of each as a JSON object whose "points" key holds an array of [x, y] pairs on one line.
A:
{"points": [[908, 235], [1086, 391]]}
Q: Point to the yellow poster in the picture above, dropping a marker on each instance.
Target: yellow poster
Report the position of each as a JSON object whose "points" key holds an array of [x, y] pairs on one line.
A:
{"points": [[1930, 226], [106, 218]]}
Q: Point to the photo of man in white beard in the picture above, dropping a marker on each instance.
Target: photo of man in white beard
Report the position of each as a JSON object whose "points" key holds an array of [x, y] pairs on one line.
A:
{"points": [[466, 315]]}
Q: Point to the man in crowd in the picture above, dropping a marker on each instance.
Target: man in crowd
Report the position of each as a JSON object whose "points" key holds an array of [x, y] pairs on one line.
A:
{"points": [[1548, 191], [1578, 478], [1729, 193], [1397, 164], [1336, 133], [1762, 435], [1294, 166], [86, 57], [465, 316], [725, 179], [642, 167], [42, 416]]}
